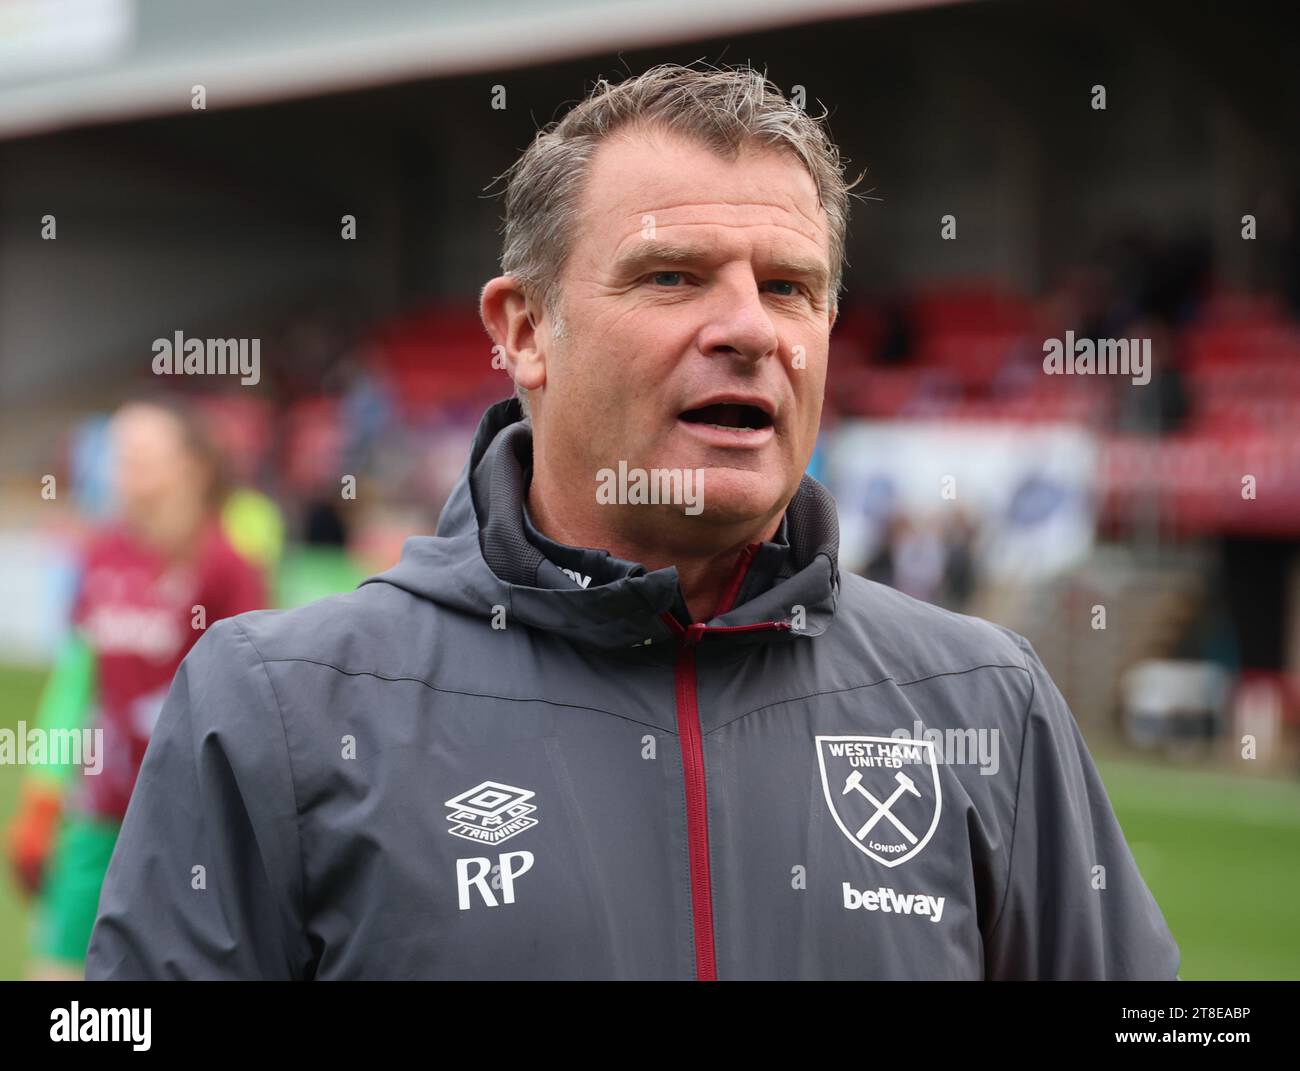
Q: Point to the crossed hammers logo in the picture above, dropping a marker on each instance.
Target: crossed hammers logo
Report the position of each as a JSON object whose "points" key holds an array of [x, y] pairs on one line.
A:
{"points": [[905, 784]]}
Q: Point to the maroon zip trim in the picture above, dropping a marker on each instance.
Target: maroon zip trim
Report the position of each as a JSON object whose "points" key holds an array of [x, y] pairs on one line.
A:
{"points": [[692, 742], [697, 815]]}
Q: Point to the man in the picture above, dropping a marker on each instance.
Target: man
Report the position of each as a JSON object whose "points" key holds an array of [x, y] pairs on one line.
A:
{"points": [[622, 717]]}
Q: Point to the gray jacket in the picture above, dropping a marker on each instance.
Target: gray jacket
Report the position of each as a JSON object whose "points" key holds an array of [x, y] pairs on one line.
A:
{"points": [[508, 758]]}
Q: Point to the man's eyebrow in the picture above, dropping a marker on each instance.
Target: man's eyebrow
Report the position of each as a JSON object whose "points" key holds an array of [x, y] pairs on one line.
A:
{"points": [[651, 252], [813, 270]]}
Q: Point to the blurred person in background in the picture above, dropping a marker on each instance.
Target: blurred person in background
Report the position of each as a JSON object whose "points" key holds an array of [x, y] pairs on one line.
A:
{"points": [[151, 580]]}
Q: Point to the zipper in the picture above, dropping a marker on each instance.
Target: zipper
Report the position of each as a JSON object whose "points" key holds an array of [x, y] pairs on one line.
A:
{"points": [[697, 811], [692, 743]]}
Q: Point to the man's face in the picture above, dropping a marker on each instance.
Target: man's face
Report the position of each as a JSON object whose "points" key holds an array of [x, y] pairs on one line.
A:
{"points": [[696, 312]]}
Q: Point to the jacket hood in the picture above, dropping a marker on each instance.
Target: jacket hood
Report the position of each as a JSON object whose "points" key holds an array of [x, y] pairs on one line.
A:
{"points": [[486, 553]]}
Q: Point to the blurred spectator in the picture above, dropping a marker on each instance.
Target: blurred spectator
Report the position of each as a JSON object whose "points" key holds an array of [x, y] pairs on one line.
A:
{"points": [[152, 579]]}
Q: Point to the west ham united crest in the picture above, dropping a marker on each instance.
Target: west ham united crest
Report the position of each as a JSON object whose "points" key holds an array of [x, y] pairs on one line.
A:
{"points": [[883, 792]]}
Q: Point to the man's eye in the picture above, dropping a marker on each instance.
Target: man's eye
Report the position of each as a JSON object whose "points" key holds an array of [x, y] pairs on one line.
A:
{"points": [[667, 278], [793, 291]]}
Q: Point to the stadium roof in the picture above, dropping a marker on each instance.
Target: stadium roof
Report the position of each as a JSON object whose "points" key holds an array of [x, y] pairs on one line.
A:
{"points": [[71, 62]]}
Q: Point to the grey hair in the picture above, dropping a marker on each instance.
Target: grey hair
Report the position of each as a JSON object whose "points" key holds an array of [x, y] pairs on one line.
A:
{"points": [[725, 108]]}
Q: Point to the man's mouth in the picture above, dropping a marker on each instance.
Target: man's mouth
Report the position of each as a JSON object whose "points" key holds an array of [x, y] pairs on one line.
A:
{"points": [[729, 416]]}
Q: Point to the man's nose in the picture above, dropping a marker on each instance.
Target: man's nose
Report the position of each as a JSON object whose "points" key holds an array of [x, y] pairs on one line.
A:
{"points": [[739, 323]]}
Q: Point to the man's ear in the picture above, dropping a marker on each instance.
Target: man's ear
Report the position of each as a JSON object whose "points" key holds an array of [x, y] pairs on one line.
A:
{"points": [[509, 319]]}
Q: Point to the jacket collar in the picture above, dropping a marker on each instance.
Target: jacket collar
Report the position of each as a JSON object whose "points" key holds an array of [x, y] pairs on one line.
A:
{"points": [[501, 559]]}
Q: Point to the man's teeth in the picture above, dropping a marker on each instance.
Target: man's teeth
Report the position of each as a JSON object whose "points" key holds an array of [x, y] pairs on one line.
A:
{"points": [[730, 427]]}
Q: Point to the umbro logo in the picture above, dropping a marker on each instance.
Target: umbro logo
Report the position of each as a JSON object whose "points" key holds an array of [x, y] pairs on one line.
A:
{"points": [[491, 812]]}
